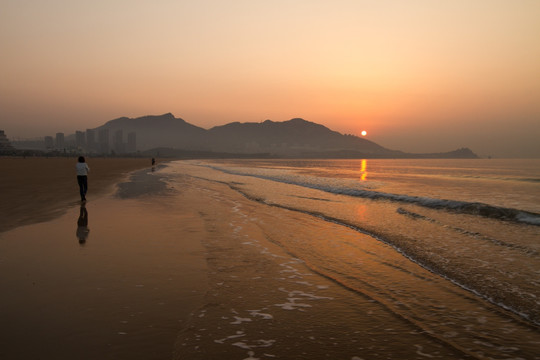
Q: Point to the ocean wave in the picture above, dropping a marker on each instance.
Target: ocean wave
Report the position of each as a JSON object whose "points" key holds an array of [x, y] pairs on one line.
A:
{"points": [[462, 207], [474, 234]]}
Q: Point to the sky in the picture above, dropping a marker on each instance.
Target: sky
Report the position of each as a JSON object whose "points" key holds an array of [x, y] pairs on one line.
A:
{"points": [[417, 75]]}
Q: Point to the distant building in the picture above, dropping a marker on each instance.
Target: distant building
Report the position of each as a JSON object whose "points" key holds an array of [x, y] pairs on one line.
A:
{"points": [[80, 140], [103, 141], [49, 142], [91, 140], [132, 142], [4, 142], [118, 142], [60, 144]]}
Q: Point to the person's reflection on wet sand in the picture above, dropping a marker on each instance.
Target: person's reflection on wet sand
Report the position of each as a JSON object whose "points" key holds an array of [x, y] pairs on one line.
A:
{"points": [[82, 225]]}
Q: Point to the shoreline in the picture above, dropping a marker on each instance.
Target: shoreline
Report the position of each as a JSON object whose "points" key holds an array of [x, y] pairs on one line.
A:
{"points": [[181, 264], [125, 292], [40, 189], [340, 288]]}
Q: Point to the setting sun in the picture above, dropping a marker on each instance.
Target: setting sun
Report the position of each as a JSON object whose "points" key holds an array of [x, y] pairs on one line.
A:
{"points": [[364, 132]]}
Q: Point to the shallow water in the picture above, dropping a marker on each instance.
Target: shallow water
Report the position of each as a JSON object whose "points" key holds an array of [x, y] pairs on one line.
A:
{"points": [[299, 261], [118, 284], [350, 275]]}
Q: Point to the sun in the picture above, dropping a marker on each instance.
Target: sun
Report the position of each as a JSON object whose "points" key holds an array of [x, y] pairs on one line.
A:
{"points": [[364, 133]]}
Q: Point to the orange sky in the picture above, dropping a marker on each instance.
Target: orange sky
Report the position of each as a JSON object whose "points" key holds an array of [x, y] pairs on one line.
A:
{"points": [[419, 76]]}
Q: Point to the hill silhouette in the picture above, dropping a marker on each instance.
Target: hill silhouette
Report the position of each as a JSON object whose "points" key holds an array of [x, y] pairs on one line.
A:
{"points": [[296, 136], [159, 131], [293, 138]]}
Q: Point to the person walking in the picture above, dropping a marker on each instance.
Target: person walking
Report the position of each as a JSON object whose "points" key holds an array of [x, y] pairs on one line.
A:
{"points": [[82, 176]]}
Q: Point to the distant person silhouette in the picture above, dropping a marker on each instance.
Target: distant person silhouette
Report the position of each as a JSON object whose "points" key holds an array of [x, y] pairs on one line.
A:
{"points": [[82, 176], [82, 225], [153, 161]]}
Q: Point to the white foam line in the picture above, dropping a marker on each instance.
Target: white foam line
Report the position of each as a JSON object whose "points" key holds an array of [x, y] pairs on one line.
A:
{"points": [[238, 334], [265, 316], [356, 190], [265, 251], [240, 320], [419, 349], [311, 296], [292, 305], [242, 345], [251, 354], [258, 344]]}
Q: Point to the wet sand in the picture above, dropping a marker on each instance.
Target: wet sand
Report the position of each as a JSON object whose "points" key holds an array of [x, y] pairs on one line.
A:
{"points": [[36, 189], [178, 266], [289, 285], [114, 279]]}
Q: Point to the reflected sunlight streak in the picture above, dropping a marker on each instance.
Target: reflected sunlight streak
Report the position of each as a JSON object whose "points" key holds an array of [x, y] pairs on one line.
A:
{"points": [[363, 170]]}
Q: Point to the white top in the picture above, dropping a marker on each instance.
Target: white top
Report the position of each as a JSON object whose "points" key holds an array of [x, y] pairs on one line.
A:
{"points": [[82, 169]]}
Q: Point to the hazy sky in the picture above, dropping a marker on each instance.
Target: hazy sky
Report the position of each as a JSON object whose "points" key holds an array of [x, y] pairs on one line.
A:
{"points": [[418, 75]]}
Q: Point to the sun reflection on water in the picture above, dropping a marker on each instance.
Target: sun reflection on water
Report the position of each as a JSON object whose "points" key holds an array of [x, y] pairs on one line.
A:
{"points": [[363, 170]]}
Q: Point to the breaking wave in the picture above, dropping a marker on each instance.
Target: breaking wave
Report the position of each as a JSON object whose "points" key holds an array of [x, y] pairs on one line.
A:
{"points": [[462, 207]]}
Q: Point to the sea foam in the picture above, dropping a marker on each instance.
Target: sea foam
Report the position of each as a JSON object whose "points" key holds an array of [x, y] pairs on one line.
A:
{"points": [[358, 190]]}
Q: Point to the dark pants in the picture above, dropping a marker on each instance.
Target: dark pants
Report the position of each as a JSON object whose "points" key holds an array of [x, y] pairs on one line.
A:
{"points": [[83, 185]]}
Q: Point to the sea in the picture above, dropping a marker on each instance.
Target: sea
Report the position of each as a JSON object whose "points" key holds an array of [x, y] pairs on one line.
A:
{"points": [[367, 259]]}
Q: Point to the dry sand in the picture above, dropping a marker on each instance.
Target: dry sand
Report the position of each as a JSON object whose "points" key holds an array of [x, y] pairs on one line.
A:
{"points": [[39, 189]]}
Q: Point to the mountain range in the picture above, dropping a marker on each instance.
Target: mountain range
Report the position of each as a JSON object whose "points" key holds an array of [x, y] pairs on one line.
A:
{"points": [[292, 138]]}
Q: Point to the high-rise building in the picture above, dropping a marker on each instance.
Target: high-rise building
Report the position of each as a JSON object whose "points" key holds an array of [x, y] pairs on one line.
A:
{"points": [[49, 142], [60, 144], [80, 140], [91, 140], [103, 141], [132, 142], [4, 142], [118, 141]]}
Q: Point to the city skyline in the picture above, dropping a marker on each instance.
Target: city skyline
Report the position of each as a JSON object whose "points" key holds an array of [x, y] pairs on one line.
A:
{"points": [[89, 141]]}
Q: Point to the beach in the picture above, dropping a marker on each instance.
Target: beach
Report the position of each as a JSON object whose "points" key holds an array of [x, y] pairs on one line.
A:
{"points": [[202, 260], [36, 189], [122, 292], [308, 260]]}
